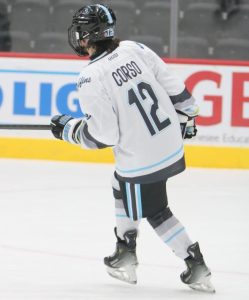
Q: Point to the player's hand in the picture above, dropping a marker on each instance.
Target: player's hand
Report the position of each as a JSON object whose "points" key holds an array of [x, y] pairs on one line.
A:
{"points": [[188, 126], [66, 128], [191, 129], [58, 124]]}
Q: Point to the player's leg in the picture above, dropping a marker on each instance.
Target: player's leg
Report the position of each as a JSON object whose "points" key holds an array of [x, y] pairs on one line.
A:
{"points": [[123, 262], [173, 234], [171, 231]]}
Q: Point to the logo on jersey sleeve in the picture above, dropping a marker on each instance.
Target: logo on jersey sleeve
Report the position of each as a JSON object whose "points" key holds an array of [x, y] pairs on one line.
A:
{"points": [[83, 80]]}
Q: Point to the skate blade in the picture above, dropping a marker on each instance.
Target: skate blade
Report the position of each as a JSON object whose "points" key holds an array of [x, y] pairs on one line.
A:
{"points": [[126, 274], [204, 285]]}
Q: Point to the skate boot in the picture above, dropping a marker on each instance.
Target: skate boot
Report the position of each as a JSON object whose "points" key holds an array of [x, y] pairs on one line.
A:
{"points": [[122, 264], [197, 276]]}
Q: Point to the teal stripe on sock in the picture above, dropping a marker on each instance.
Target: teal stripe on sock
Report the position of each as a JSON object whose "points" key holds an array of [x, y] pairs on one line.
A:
{"points": [[121, 216], [128, 195], [139, 201], [174, 235]]}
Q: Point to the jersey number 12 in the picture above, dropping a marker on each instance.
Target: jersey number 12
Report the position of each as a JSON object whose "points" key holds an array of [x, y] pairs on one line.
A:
{"points": [[152, 121]]}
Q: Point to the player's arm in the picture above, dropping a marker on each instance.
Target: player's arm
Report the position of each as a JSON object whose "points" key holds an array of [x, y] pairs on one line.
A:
{"points": [[83, 131], [74, 131], [99, 128]]}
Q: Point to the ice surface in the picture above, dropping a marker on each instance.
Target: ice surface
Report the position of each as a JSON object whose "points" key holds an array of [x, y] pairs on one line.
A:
{"points": [[56, 225]]}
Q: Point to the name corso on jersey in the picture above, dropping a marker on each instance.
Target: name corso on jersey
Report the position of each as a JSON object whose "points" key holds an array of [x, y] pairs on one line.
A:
{"points": [[126, 72], [121, 75]]}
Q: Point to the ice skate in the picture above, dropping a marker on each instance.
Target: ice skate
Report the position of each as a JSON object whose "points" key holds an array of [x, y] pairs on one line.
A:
{"points": [[122, 264], [197, 275]]}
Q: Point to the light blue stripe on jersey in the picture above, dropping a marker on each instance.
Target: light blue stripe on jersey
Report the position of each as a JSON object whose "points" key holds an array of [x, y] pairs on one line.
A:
{"points": [[174, 235], [153, 165], [139, 201], [129, 203]]}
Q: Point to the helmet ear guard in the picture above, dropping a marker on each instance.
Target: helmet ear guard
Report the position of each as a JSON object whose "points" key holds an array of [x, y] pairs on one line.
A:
{"points": [[94, 22]]}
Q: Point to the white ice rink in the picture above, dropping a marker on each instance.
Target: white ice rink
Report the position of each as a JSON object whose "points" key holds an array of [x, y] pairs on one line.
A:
{"points": [[56, 225]]}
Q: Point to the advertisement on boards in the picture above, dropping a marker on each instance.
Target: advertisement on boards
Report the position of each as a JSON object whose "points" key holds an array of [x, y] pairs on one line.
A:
{"points": [[32, 90], [222, 93]]}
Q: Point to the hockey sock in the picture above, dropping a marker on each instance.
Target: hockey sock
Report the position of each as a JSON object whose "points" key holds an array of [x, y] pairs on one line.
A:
{"points": [[171, 231], [123, 223]]}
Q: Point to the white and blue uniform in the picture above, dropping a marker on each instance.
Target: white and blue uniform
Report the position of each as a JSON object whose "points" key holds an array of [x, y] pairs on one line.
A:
{"points": [[131, 98], [136, 106]]}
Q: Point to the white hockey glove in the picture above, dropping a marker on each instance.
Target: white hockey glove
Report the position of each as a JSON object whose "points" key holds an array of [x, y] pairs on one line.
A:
{"points": [[66, 128], [187, 122]]}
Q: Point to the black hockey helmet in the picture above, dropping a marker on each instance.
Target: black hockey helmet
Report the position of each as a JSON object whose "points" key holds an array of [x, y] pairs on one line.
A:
{"points": [[94, 22]]}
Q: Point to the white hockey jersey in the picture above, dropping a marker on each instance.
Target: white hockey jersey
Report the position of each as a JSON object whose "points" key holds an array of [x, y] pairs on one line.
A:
{"points": [[131, 100]]}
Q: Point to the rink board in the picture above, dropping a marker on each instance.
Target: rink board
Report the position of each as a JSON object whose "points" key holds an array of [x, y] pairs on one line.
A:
{"points": [[35, 87], [196, 156]]}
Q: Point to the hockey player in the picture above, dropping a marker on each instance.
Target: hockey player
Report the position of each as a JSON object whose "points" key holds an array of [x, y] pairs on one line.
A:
{"points": [[136, 106]]}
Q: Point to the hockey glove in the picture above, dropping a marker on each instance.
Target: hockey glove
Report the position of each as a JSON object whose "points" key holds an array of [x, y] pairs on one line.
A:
{"points": [[65, 128], [187, 123]]}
